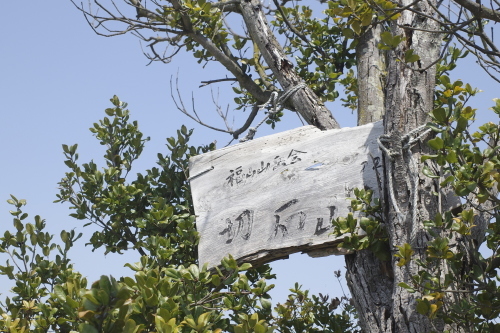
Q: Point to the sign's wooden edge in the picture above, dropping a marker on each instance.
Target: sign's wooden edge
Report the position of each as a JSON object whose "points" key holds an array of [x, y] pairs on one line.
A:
{"points": [[257, 141], [267, 255]]}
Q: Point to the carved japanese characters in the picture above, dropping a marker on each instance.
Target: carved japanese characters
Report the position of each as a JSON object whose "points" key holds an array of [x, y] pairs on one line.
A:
{"points": [[277, 195]]}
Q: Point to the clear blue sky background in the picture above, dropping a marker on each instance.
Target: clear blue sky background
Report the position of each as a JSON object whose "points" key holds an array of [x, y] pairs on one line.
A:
{"points": [[56, 79]]}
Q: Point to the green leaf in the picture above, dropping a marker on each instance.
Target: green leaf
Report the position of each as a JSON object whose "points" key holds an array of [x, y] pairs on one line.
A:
{"points": [[59, 292], [423, 307], [245, 266], [387, 37], [405, 253], [348, 32], [115, 100], [366, 18], [440, 115], [173, 273], [410, 56], [356, 27], [407, 287], [216, 280], [130, 326], [451, 157], [259, 328], [203, 320], [427, 157], [86, 328], [461, 125], [445, 80], [195, 273], [265, 302], [105, 284], [437, 143]]}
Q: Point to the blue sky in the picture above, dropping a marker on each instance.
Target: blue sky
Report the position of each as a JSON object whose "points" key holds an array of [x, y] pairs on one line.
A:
{"points": [[57, 77]]}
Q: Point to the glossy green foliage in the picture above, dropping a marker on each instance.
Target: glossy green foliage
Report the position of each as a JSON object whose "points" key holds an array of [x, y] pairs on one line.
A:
{"points": [[134, 212], [363, 228], [322, 60], [302, 313], [151, 213], [468, 162], [456, 283], [46, 286]]}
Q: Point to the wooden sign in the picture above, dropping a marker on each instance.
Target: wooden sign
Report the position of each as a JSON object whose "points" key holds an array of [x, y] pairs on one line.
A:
{"points": [[265, 199]]}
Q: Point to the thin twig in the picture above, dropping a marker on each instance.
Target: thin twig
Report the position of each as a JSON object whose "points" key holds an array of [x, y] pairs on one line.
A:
{"points": [[206, 83]]}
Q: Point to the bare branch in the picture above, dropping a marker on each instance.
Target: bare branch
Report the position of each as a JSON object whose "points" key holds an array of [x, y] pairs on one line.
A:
{"points": [[480, 11], [221, 114], [244, 79], [235, 34], [180, 106], [470, 44], [206, 83]]}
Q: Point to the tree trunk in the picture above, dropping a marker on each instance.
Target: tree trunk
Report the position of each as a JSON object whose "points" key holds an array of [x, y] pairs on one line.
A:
{"points": [[383, 306], [370, 280], [409, 99], [371, 69], [303, 101]]}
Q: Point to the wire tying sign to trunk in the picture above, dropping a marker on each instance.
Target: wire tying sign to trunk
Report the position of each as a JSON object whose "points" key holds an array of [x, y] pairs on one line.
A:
{"points": [[265, 199]]}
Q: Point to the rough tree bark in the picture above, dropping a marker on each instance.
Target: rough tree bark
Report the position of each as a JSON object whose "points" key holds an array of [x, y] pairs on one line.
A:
{"points": [[371, 69], [369, 279], [407, 99]]}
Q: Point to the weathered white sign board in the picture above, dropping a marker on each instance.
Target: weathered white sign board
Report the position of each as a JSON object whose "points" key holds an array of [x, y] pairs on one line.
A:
{"points": [[276, 195]]}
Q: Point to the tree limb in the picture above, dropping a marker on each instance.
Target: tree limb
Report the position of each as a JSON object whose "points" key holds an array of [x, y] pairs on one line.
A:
{"points": [[227, 61], [304, 100], [235, 133], [480, 11]]}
